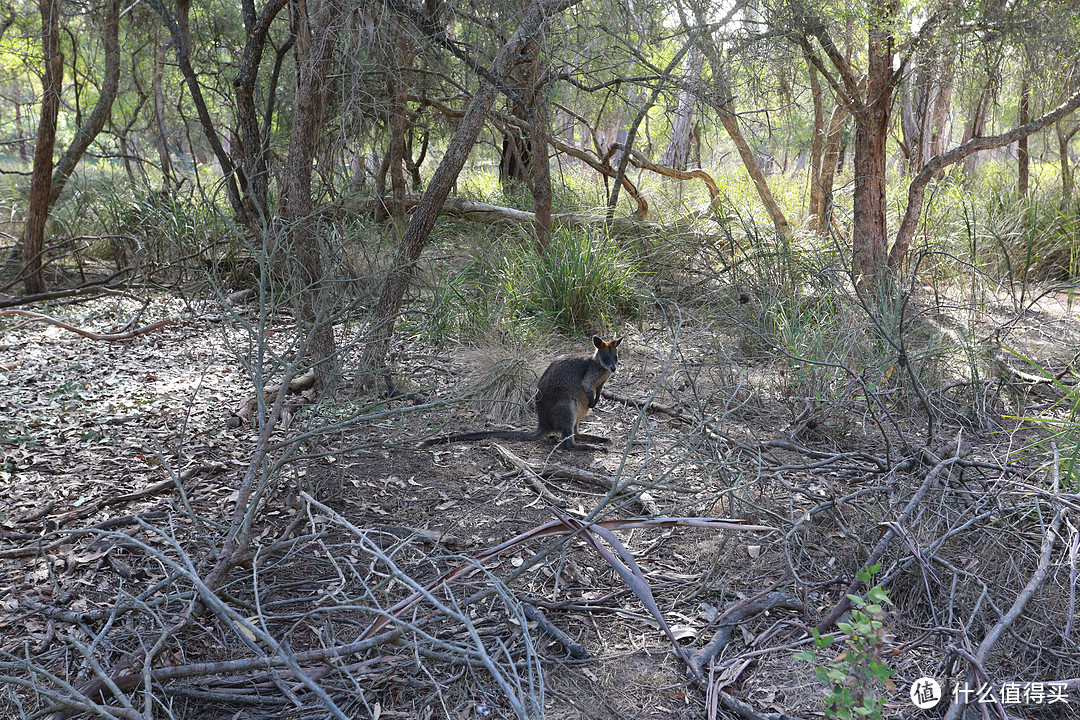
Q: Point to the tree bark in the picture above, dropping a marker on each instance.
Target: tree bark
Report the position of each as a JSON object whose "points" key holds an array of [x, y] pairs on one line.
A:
{"points": [[1023, 163], [817, 145], [830, 162], [316, 25], [253, 150], [917, 189], [539, 170], [457, 151], [677, 155], [1066, 163], [161, 141], [395, 82], [869, 241], [89, 130], [33, 240]]}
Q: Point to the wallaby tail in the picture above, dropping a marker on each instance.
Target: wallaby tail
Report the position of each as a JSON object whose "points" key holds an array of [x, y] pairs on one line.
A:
{"points": [[498, 434]]}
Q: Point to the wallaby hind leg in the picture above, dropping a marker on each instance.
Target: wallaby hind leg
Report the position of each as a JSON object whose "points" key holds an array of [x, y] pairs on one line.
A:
{"points": [[566, 420], [580, 442], [584, 437]]}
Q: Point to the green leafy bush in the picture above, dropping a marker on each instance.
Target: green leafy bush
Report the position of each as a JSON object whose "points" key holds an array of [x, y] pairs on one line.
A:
{"points": [[856, 677]]}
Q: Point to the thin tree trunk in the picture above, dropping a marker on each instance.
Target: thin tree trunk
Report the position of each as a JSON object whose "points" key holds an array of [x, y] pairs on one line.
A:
{"points": [[1023, 163], [179, 29], [19, 131], [631, 133], [33, 240], [539, 170], [395, 82], [161, 142], [753, 169], [817, 145], [677, 154], [253, 149], [917, 189], [457, 152], [939, 120], [725, 107], [1066, 163], [830, 161], [976, 125], [96, 121], [316, 25]]}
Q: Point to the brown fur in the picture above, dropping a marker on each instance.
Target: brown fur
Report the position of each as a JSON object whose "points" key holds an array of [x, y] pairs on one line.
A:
{"points": [[566, 392]]}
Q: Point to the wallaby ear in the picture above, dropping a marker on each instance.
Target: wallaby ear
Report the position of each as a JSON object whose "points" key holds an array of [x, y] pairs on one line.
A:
{"points": [[617, 341], [598, 342]]}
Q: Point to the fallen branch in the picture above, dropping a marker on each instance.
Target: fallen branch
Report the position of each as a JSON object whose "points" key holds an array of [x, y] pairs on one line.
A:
{"points": [[105, 337], [574, 648], [245, 411], [549, 529], [735, 616], [548, 471], [928, 482], [956, 709]]}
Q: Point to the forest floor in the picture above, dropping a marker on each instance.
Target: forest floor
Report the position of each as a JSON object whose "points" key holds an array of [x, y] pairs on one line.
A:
{"points": [[93, 431]]}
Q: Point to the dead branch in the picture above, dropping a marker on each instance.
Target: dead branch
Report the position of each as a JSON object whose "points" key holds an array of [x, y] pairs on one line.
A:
{"points": [[547, 471], [1050, 534], [628, 570], [735, 615], [574, 648], [245, 411], [104, 337], [845, 604]]}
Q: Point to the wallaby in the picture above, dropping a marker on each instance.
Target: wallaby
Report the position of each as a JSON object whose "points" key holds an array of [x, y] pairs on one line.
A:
{"points": [[565, 393]]}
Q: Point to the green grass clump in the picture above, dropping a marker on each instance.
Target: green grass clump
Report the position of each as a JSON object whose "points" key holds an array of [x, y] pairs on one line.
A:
{"points": [[581, 281]]}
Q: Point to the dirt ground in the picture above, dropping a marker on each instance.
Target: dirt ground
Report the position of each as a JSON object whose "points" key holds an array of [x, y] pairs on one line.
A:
{"points": [[92, 431]]}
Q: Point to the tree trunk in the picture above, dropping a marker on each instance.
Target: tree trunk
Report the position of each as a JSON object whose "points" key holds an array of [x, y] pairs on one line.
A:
{"points": [[178, 27], [33, 240], [457, 152], [939, 119], [977, 124], [161, 141], [1023, 163], [917, 189], [725, 108], [19, 131], [817, 145], [253, 149], [677, 155], [316, 28], [631, 132], [830, 162], [869, 241], [1066, 164], [395, 82], [539, 170], [96, 121]]}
